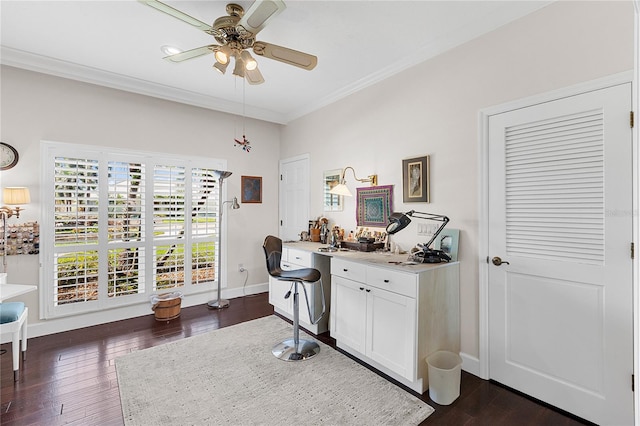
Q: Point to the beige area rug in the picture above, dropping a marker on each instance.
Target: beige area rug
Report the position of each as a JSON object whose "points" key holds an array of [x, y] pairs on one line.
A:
{"points": [[230, 377]]}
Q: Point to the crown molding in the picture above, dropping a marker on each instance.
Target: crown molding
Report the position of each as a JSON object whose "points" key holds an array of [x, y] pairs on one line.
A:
{"points": [[452, 39], [46, 65]]}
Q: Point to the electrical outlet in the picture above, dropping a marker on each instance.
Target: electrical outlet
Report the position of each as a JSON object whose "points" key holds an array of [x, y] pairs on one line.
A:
{"points": [[241, 267]]}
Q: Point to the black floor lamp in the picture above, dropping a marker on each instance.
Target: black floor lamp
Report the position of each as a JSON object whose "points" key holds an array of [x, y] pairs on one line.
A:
{"points": [[220, 302]]}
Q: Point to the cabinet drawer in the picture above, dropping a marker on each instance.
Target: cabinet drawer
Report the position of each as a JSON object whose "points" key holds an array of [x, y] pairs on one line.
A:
{"points": [[346, 269], [298, 257], [396, 282]]}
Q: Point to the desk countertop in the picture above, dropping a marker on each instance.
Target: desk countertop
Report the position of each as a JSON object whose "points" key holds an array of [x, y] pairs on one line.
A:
{"points": [[383, 259]]}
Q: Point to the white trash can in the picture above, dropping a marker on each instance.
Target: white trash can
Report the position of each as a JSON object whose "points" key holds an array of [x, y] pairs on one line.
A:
{"points": [[444, 376]]}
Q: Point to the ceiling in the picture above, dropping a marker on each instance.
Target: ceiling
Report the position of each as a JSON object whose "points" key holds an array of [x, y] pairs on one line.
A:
{"points": [[358, 43]]}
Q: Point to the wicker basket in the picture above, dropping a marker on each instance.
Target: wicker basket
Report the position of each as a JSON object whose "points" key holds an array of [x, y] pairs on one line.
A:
{"points": [[166, 306]]}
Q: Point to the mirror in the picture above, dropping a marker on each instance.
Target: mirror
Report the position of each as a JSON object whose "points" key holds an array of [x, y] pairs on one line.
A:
{"points": [[332, 202]]}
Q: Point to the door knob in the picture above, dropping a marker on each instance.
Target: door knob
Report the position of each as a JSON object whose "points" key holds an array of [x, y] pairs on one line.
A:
{"points": [[497, 261]]}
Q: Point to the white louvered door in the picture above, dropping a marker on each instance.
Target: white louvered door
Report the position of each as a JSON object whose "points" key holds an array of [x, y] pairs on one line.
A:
{"points": [[560, 203]]}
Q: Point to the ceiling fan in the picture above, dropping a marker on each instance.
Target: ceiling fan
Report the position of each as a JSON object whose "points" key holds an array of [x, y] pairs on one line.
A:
{"points": [[235, 34]]}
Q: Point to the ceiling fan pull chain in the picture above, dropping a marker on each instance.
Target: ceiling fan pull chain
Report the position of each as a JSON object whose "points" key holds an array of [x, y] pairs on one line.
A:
{"points": [[244, 143]]}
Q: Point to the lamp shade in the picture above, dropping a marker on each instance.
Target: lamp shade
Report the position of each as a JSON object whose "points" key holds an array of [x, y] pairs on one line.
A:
{"points": [[16, 195], [222, 55], [221, 68], [341, 189], [223, 174], [249, 63], [235, 204], [238, 70]]}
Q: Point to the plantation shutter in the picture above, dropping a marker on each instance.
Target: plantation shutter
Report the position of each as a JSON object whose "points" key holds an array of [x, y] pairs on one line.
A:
{"points": [[126, 228], [125, 225], [204, 226], [169, 225], [76, 215]]}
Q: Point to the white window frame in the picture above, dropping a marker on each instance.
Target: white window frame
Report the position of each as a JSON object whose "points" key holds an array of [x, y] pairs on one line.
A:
{"points": [[49, 152]]}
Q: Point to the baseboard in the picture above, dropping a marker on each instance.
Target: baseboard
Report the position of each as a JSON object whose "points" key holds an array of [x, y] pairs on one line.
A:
{"points": [[470, 364], [232, 293], [59, 325]]}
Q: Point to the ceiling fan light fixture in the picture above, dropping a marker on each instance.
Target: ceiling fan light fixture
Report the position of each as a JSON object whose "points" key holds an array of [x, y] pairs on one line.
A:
{"points": [[249, 63], [223, 55], [234, 34], [170, 50], [221, 68], [238, 70]]}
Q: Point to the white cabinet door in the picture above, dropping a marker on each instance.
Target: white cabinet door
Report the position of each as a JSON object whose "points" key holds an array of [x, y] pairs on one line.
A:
{"points": [[277, 291], [303, 309], [391, 325], [348, 313]]}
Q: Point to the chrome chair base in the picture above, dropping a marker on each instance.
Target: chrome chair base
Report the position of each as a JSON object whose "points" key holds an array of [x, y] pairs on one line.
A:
{"points": [[287, 350]]}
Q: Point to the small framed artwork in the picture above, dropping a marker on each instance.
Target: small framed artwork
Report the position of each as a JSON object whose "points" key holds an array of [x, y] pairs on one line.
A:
{"points": [[251, 187], [415, 180], [447, 241], [332, 202]]}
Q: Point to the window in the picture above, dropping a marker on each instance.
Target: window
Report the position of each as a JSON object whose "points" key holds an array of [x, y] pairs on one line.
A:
{"points": [[120, 225]]}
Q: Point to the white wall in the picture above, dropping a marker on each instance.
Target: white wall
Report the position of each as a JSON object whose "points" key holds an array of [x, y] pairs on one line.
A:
{"points": [[433, 109], [39, 107]]}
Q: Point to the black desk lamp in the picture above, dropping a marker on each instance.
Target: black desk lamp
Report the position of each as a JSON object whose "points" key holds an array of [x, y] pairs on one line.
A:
{"points": [[399, 221]]}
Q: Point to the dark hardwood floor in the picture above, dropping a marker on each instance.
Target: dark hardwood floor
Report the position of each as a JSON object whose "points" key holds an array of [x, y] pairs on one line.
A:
{"points": [[70, 378]]}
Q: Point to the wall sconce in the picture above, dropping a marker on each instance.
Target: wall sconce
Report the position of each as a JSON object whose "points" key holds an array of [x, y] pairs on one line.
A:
{"points": [[341, 188], [15, 195]]}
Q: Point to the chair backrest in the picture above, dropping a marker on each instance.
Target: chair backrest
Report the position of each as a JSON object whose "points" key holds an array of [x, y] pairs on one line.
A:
{"points": [[272, 247]]}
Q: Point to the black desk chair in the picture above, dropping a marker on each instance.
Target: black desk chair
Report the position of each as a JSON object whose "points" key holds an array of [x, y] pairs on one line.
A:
{"points": [[292, 349]]}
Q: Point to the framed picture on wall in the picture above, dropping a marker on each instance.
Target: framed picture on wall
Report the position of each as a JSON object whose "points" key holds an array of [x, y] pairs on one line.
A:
{"points": [[415, 180], [251, 187]]}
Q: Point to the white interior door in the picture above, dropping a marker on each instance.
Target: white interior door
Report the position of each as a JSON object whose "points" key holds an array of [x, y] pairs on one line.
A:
{"points": [[294, 197], [560, 214]]}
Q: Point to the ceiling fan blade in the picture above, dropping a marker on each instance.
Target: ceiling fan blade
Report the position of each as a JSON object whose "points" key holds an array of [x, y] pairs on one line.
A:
{"points": [[177, 14], [286, 55], [193, 53], [254, 76], [259, 15]]}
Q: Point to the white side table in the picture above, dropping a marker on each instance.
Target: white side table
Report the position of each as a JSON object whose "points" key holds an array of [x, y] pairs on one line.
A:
{"points": [[8, 291]]}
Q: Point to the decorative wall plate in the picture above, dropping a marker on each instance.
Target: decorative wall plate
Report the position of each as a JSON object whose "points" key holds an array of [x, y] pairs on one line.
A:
{"points": [[8, 156]]}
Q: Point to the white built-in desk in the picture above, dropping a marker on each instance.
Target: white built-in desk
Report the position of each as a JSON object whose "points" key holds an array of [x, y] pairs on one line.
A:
{"points": [[387, 313]]}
